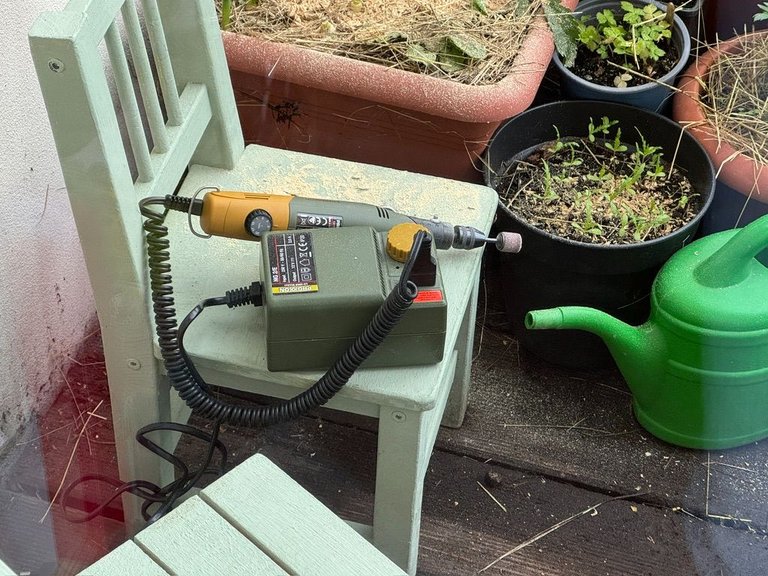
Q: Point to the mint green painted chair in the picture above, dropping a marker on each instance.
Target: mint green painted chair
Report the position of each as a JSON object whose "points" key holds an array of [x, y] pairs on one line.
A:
{"points": [[182, 129]]}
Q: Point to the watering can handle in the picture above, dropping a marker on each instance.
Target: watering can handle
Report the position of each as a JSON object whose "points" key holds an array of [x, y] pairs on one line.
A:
{"points": [[731, 263]]}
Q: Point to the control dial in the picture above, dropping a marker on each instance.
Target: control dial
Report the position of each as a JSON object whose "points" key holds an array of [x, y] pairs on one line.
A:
{"points": [[400, 240], [258, 222]]}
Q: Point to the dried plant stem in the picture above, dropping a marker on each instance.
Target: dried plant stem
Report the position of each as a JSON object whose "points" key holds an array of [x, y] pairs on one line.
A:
{"points": [[492, 496], [72, 393], [551, 529], [43, 435], [71, 458], [736, 95]]}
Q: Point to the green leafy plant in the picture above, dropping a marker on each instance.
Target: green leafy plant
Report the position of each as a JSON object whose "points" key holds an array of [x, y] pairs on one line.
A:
{"points": [[565, 30], [599, 188], [226, 12], [762, 13], [634, 38]]}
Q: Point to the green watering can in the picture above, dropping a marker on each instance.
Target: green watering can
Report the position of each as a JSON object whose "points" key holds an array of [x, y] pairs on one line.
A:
{"points": [[698, 368]]}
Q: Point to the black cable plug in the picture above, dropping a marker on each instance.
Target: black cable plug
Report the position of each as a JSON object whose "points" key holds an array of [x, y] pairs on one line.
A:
{"points": [[246, 295]]}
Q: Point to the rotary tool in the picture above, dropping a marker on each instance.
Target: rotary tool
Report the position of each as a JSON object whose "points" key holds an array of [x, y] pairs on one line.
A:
{"points": [[249, 215]]}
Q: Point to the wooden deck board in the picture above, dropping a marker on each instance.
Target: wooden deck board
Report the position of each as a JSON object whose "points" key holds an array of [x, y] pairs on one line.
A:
{"points": [[463, 529], [526, 413]]}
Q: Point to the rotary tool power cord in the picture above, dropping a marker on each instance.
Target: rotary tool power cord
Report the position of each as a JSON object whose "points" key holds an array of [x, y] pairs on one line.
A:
{"points": [[151, 493], [193, 389], [182, 373]]}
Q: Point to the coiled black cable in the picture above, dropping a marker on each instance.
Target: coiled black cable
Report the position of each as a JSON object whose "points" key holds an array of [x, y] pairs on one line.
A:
{"points": [[187, 381], [166, 496]]}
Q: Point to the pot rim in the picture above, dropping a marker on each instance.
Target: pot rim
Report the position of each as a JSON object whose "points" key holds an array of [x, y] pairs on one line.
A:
{"points": [[739, 171]]}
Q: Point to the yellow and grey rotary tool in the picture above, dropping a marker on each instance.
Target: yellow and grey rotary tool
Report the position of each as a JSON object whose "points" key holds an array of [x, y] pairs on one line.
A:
{"points": [[249, 215]]}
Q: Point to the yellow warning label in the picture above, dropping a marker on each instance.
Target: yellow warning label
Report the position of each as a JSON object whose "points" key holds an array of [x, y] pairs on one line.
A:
{"points": [[294, 289]]}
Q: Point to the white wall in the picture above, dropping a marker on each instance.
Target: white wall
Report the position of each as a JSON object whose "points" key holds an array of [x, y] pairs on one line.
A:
{"points": [[46, 305]]}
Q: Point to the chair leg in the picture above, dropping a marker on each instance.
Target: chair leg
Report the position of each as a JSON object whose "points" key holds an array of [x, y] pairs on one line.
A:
{"points": [[139, 396], [406, 439], [457, 400], [403, 455]]}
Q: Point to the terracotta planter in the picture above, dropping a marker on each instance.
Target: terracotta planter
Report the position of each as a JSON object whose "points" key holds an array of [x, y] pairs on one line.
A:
{"points": [[299, 99], [742, 182]]}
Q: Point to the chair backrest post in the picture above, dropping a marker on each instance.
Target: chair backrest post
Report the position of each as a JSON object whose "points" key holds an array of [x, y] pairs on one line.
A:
{"points": [[85, 129], [68, 61], [196, 50]]}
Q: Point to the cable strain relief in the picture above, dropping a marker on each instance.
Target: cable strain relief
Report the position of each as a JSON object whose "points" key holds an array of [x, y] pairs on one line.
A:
{"points": [[245, 295], [182, 204]]}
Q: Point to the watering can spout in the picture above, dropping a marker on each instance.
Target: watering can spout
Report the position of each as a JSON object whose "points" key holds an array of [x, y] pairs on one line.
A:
{"points": [[631, 347]]}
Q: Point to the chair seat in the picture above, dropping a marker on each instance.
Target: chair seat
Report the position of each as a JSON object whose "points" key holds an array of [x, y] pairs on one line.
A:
{"points": [[231, 342]]}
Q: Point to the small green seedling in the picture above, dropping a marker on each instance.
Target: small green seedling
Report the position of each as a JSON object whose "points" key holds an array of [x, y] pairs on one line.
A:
{"points": [[225, 17], [599, 188], [634, 38], [638, 34]]}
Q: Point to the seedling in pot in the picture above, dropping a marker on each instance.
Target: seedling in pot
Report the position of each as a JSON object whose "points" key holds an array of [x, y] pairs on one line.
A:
{"points": [[598, 188], [635, 39]]}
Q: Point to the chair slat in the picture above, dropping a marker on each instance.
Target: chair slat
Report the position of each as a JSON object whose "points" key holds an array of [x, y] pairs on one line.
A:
{"points": [[195, 541], [125, 560], [146, 80], [5, 571], [162, 61], [170, 166], [194, 44], [276, 513], [130, 105]]}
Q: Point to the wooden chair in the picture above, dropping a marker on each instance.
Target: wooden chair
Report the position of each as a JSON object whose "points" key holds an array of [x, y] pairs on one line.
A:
{"points": [[267, 524], [196, 141]]}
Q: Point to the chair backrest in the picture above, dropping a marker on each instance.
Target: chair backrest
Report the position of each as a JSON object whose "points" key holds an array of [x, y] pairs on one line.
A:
{"points": [[191, 119], [201, 127]]}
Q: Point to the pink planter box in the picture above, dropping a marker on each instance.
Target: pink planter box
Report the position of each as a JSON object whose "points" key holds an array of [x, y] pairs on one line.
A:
{"points": [[299, 99]]}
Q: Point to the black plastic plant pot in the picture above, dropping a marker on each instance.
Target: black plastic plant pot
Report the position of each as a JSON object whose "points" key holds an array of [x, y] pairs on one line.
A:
{"points": [[650, 95], [553, 271]]}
